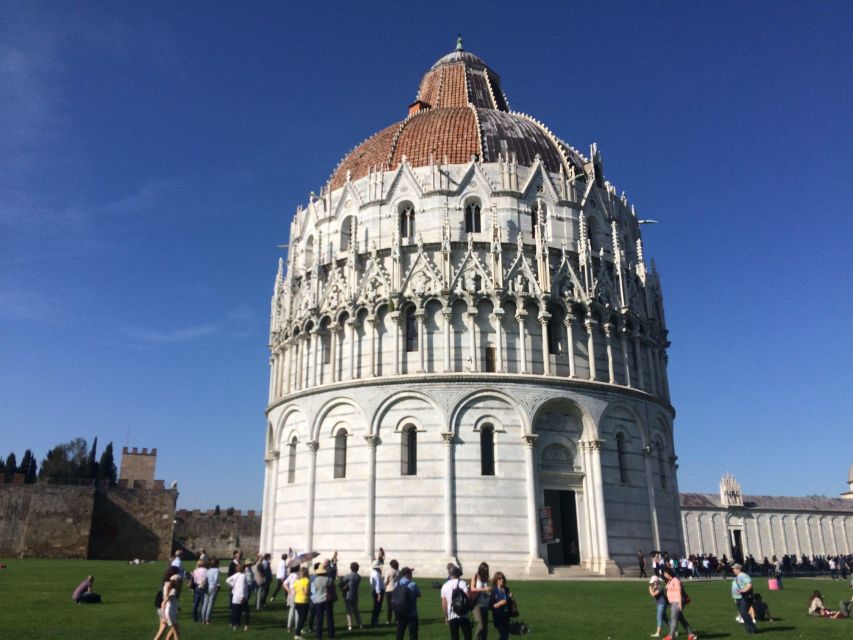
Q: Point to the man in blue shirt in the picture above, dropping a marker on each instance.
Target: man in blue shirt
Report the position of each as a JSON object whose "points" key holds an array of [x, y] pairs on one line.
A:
{"points": [[742, 594], [408, 620]]}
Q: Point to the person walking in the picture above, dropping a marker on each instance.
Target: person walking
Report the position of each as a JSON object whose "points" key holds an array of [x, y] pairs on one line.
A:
{"points": [[301, 589], [675, 597], [641, 560], [349, 587], [454, 620], [239, 583], [212, 578], [742, 594], [289, 589], [168, 611], [199, 576], [408, 618], [501, 604], [377, 591], [481, 591], [321, 601], [391, 579], [656, 591]]}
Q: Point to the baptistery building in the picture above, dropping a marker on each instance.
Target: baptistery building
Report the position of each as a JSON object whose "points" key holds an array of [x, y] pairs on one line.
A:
{"points": [[468, 351]]}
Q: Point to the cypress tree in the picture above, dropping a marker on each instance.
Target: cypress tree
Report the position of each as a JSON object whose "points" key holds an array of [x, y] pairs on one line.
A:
{"points": [[107, 465], [92, 462], [11, 466], [31, 470], [25, 463]]}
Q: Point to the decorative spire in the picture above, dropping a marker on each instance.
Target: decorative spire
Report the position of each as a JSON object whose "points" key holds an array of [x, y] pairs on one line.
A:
{"points": [[459, 43]]}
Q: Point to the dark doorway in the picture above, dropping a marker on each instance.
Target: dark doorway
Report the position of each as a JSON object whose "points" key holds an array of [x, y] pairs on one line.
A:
{"points": [[737, 545], [565, 549]]}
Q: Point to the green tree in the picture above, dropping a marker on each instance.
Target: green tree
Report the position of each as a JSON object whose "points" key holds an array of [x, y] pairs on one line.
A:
{"points": [[2, 469], [65, 461], [31, 470], [92, 460], [217, 511], [107, 466], [26, 462], [11, 467]]}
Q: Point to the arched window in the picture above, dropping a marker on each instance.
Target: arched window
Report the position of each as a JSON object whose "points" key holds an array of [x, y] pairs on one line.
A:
{"points": [[487, 450], [291, 461], [346, 232], [406, 213], [309, 253], [326, 345], [472, 217], [411, 329], [555, 332], [661, 464], [341, 454], [409, 451], [621, 455]]}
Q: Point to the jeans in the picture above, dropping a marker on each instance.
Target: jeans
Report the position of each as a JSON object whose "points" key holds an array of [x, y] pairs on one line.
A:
{"points": [[352, 610], [743, 610], [481, 617], [237, 609], [323, 611], [301, 616], [291, 617], [207, 606], [460, 623], [676, 615], [377, 608], [261, 598], [662, 621], [198, 599], [501, 621], [407, 622]]}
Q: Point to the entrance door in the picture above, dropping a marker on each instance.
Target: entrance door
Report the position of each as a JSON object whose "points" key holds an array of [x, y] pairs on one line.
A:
{"points": [[737, 548], [565, 548]]}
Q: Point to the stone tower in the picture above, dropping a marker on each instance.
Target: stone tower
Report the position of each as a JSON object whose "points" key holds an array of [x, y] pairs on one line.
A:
{"points": [[466, 338], [138, 467]]}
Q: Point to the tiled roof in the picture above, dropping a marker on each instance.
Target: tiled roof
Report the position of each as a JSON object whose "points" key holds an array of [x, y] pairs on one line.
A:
{"points": [[770, 503], [463, 112]]}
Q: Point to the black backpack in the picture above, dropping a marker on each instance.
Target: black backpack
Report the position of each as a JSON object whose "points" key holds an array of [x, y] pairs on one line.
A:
{"points": [[158, 599], [400, 600], [459, 601]]}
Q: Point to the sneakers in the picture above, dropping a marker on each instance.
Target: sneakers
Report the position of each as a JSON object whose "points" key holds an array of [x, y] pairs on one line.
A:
{"points": [[655, 635], [738, 619], [692, 637]]}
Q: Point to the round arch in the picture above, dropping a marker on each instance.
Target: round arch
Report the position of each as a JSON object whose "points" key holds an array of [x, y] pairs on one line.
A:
{"points": [[456, 412], [327, 408], [393, 399]]}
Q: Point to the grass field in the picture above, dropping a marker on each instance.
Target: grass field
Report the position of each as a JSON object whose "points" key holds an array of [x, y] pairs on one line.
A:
{"points": [[35, 602]]}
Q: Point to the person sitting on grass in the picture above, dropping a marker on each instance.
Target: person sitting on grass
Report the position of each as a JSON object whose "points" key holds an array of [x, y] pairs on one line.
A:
{"points": [[83, 594], [759, 609], [817, 609]]}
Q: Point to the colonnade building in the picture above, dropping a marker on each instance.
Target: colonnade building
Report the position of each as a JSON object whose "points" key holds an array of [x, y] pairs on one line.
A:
{"points": [[468, 351]]}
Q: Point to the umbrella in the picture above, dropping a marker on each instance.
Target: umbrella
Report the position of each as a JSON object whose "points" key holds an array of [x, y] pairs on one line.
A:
{"points": [[307, 556]]}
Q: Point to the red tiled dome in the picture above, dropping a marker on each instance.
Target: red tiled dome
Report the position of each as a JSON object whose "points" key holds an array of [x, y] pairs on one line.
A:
{"points": [[460, 112]]}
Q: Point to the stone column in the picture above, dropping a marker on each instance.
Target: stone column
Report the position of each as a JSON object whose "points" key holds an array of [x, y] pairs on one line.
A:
{"points": [[701, 535], [265, 506], [570, 336], [797, 537], [532, 516], [608, 330], [273, 380], [395, 323], [447, 315], [312, 486], [297, 374], [635, 339], [270, 510], [626, 357], [522, 342], [648, 456], [371, 322], [314, 359], [370, 512], [653, 368], [809, 536], [546, 351], [846, 537], [715, 550], [595, 447], [334, 330], [499, 341], [449, 499], [350, 337], [472, 340], [663, 377], [420, 315], [836, 550], [590, 324], [589, 510]]}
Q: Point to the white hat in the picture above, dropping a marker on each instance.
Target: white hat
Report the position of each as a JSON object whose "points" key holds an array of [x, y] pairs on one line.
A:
{"points": [[654, 579]]}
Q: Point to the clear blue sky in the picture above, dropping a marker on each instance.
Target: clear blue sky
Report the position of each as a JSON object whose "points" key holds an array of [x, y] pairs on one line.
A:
{"points": [[152, 154]]}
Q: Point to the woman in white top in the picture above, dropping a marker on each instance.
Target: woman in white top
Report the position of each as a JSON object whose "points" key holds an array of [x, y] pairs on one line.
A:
{"points": [[239, 596], [481, 590], [391, 580], [168, 611]]}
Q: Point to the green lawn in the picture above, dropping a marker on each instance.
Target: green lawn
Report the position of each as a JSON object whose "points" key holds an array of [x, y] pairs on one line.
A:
{"points": [[35, 602]]}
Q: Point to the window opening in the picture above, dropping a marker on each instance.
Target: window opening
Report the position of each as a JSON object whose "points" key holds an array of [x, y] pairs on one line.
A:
{"points": [[341, 454], [472, 217], [487, 450], [409, 453]]}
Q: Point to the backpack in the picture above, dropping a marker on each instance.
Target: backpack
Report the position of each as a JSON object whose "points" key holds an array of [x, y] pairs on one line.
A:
{"points": [[459, 601], [158, 599], [685, 599], [400, 599]]}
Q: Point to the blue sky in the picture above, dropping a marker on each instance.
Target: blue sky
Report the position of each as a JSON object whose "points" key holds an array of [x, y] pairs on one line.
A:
{"points": [[151, 156]]}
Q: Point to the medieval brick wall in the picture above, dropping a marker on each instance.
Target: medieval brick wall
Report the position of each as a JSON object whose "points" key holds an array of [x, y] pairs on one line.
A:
{"points": [[219, 534], [48, 521]]}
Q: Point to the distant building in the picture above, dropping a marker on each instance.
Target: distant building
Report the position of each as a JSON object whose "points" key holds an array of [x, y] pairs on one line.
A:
{"points": [[738, 525], [468, 351], [138, 467]]}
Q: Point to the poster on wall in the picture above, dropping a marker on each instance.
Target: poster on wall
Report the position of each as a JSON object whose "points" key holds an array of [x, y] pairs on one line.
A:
{"points": [[546, 525]]}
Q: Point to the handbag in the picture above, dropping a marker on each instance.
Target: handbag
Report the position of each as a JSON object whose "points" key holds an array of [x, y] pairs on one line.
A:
{"points": [[513, 608], [773, 584], [331, 593]]}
